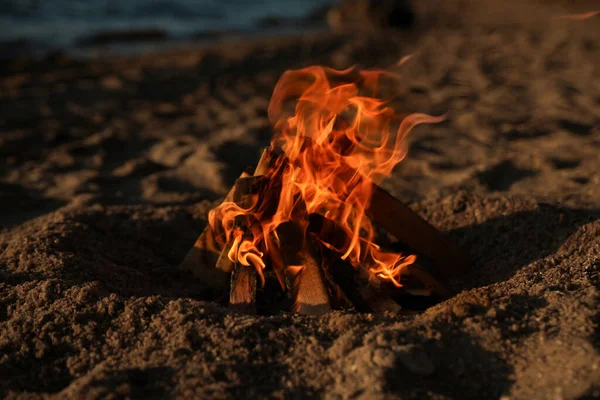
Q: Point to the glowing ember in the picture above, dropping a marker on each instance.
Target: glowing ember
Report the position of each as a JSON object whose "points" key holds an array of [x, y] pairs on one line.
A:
{"points": [[337, 142], [580, 17]]}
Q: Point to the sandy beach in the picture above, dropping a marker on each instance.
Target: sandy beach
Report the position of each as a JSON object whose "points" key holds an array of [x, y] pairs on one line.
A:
{"points": [[110, 164]]}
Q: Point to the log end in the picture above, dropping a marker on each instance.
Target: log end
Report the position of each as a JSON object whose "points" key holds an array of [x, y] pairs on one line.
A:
{"points": [[309, 292], [242, 296]]}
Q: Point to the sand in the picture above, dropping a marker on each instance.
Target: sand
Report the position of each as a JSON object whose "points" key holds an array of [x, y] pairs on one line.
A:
{"points": [[108, 167]]}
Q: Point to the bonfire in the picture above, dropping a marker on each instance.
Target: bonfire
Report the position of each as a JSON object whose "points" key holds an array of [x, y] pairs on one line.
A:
{"points": [[300, 231]]}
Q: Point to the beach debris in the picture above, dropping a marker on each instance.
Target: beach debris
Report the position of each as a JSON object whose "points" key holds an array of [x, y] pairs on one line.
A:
{"points": [[303, 222]]}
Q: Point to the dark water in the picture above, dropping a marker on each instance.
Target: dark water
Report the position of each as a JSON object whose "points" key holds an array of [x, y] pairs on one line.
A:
{"points": [[67, 23]]}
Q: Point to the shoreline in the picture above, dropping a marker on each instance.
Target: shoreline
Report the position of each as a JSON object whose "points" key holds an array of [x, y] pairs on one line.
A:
{"points": [[152, 44], [134, 38]]}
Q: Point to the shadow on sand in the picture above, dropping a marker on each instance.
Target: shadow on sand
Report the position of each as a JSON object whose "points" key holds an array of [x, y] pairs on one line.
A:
{"points": [[501, 246]]}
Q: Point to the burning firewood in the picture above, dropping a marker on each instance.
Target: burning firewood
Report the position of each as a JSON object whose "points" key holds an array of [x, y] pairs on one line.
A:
{"points": [[422, 237], [303, 269], [205, 253], [208, 250], [306, 216], [243, 280]]}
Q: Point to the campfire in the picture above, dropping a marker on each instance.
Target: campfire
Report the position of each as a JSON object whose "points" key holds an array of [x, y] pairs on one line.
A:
{"points": [[300, 231]]}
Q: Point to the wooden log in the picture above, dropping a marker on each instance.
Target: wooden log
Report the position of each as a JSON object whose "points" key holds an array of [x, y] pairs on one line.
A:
{"points": [[353, 281], [378, 302], [242, 292], [203, 256], [339, 275], [242, 296], [207, 242], [341, 279], [303, 265], [421, 278], [347, 277], [412, 230], [264, 162], [276, 260], [207, 251], [407, 226], [310, 293], [430, 279]]}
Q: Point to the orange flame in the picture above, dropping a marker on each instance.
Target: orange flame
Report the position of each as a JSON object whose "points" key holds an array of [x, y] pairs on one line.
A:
{"points": [[580, 17], [337, 141], [404, 60]]}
